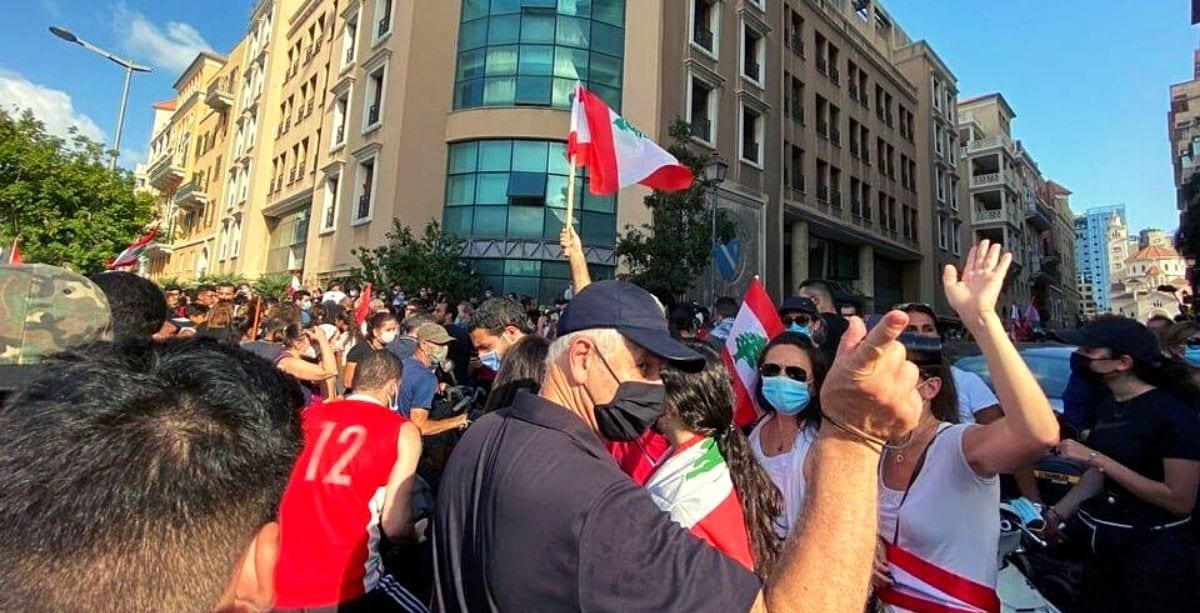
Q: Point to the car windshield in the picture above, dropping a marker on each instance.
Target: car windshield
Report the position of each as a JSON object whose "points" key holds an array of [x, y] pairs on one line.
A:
{"points": [[1050, 365]]}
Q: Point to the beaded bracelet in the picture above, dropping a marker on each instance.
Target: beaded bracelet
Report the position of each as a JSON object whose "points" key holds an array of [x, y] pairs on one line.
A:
{"points": [[875, 443]]}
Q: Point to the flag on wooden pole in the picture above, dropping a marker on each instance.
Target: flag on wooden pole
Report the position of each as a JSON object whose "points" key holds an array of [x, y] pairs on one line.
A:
{"points": [[14, 256], [757, 322], [130, 255], [616, 153]]}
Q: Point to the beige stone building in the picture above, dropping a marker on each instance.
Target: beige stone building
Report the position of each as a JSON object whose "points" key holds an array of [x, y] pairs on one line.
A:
{"points": [[185, 166], [838, 132], [1183, 127]]}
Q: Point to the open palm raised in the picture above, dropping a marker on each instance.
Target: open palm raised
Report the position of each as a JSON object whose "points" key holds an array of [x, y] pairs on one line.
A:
{"points": [[975, 294]]}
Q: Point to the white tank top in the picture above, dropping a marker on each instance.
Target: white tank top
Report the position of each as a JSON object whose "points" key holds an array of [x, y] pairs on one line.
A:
{"points": [[951, 516], [786, 471]]}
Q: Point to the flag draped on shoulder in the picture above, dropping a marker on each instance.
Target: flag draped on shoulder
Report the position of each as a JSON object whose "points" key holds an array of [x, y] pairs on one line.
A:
{"points": [[757, 322], [616, 153], [130, 255]]}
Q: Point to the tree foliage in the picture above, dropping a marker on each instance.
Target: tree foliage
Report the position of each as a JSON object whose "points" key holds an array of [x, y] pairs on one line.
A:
{"points": [[433, 260], [672, 251], [274, 285], [61, 200]]}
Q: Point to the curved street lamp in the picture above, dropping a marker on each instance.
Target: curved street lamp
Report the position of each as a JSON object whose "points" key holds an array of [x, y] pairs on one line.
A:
{"points": [[129, 67]]}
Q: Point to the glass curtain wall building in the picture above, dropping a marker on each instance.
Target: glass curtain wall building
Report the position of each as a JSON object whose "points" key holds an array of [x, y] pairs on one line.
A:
{"points": [[509, 195]]}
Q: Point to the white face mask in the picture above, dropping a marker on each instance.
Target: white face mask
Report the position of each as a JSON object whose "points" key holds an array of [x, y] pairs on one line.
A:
{"points": [[311, 352], [387, 337]]}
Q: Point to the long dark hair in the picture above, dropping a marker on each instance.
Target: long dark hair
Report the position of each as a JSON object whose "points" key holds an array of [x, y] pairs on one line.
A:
{"points": [[944, 406], [376, 321], [811, 415], [523, 368], [703, 404]]}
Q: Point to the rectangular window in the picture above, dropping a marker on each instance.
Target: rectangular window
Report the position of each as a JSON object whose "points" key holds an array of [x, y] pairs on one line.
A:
{"points": [[702, 111], [822, 181], [796, 103], [527, 188], [835, 120], [365, 191], [752, 137], [943, 233], [834, 75], [341, 113], [795, 39], [956, 237], [866, 201], [753, 55], [822, 117], [329, 213], [855, 132], [795, 178], [706, 24], [383, 14], [373, 109], [835, 186]]}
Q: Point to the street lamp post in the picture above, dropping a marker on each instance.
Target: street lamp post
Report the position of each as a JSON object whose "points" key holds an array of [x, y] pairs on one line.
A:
{"points": [[129, 67], [715, 172]]}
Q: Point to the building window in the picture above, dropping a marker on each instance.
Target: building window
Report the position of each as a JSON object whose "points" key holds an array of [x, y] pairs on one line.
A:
{"points": [[373, 106], [706, 26], [752, 137], [943, 232], [383, 19], [329, 209], [364, 194], [956, 237], [349, 41], [223, 241], [753, 55], [517, 190], [341, 116], [532, 53], [236, 238], [702, 110]]}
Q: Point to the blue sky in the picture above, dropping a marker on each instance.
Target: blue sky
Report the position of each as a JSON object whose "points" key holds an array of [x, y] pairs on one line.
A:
{"points": [[1088, 79]]}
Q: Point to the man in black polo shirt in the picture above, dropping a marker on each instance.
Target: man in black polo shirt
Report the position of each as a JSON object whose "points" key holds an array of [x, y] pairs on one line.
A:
{"points": [[534, 514]]}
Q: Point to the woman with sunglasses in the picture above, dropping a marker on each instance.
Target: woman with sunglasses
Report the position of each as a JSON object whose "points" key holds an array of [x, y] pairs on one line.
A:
{"points": [[791, 370], [939, 492]]}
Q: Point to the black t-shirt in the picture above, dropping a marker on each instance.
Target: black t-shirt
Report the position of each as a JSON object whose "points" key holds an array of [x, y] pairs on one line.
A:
{"points": [[359, 351], [835, 326], [1140, 433], [535, 515]]}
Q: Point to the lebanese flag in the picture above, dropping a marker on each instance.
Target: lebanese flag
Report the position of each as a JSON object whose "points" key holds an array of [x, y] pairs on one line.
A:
{"points": [[130, 255], [364, 305], [616, 153], [14, 256], [695, 487], [756, 324]]}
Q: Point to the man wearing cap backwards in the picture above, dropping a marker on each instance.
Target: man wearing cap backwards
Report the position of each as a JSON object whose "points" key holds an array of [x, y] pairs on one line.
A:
{"points": [[420, 384], [533, 515]]}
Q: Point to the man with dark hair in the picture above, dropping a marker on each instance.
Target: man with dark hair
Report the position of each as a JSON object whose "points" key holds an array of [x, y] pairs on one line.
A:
{"points": [[498, 324], [159, 470], [1159, 324], [304, 304], [226, 292], [461, 349], [351, 487], [206, 295], [138, 307], [833, 324]]}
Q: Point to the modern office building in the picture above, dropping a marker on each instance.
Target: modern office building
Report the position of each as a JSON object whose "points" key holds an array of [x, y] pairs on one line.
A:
{"points": [[1093, 255], [1183, 128], [351, 116]]}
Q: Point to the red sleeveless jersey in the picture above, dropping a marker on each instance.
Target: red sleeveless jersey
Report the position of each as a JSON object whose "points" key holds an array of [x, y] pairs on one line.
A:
{"points": [[329, 517]]}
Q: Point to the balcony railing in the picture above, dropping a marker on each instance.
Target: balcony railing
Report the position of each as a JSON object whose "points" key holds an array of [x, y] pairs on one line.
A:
{"points": [[982, 144], [797, 110], [220, 94], [989, 215], [796, 43], [703, 36], [835, 135], [191, 195], [835, 198], [166, 172], [364, 206], [373, 114], [701, 128], [797, 183], [834, 75], [853, 90], [384, 24], [854, 148], [822, 65], [864, 99], [292, 175], [751, 69], [993, 178], [823, 193], [823, 128], [341, 135], [300, 172]]}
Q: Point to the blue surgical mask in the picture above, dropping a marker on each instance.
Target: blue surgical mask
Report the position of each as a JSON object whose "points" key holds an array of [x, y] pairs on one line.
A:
{"points": [[490, 359], [799, 329], [1191, 354], [787, 396]]}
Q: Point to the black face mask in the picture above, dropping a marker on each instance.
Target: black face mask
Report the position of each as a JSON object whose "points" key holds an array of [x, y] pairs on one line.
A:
{"points": [[634, 408], [1081, 366]]}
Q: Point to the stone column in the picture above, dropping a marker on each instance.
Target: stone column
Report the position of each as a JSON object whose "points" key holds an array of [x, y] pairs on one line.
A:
{"points": [[866, 276], [799, 256]]}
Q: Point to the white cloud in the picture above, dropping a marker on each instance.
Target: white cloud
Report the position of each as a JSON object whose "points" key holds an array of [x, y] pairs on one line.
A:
{"points": [[130, 157], [51, 106], [170, 47]]}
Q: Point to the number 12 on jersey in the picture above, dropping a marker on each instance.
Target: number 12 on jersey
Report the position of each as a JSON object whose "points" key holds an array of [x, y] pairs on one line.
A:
{"points": [[349, 441]]}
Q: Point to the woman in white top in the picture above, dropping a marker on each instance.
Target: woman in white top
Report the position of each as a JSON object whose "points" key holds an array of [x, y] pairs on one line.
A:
{"points": [[939, 493], [791, 370]]}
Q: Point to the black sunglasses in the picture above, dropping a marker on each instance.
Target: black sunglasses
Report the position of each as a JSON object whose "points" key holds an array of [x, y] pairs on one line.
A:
{"points": [[802, 320], [1193, 342], [795, 373]]}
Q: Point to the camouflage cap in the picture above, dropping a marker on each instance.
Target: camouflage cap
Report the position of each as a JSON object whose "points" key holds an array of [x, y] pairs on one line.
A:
{"points": [[44, 310]]}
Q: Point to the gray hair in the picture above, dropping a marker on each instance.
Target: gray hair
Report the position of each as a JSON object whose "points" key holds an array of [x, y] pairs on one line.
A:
{"points": [[606, 340]]}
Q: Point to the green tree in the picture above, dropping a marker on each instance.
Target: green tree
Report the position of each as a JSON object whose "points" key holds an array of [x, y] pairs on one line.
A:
{"points": [[432, 260], [274, 285], [672, 250], [61, 200]]}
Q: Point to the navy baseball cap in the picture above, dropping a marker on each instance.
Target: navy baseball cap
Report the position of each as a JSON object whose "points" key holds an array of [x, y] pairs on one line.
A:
{"points": [[634, 313], [798, 304], [1124, 336]]}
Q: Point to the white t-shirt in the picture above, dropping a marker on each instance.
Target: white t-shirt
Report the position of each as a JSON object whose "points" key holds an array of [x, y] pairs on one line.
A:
{"points": [[951, 517], [333, 296], [973, 394], [786, 471]]}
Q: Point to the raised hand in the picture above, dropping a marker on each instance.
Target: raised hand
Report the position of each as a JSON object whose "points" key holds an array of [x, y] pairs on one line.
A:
{"points": [[872, 385], [975, 294]]}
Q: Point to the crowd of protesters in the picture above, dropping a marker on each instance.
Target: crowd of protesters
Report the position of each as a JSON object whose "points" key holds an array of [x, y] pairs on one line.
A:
{"points": [[341, 449]]}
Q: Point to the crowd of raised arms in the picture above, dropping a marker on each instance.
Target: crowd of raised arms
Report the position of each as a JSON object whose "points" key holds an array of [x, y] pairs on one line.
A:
{"points": [[400, 449]]}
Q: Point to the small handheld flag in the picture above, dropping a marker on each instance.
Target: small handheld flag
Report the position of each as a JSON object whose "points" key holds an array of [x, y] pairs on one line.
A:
{"points": [[130, 255], [756, 324]]}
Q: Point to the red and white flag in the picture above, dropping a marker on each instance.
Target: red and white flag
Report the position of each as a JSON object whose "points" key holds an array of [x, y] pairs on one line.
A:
{"points": [[14, 256], [616, 153], [756, 324], [130, 255], [364, 305]]}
